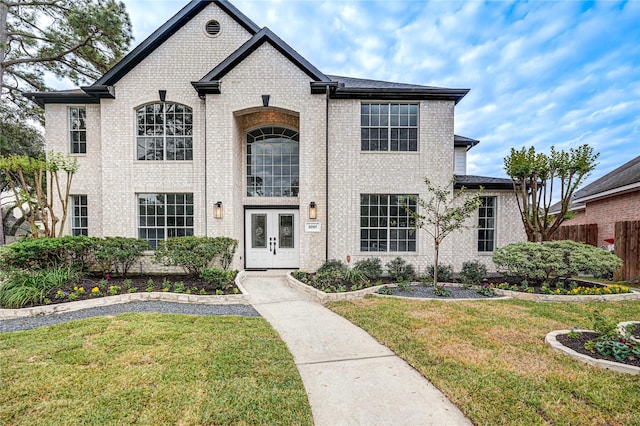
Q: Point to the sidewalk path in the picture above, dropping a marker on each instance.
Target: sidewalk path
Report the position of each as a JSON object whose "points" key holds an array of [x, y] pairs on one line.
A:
{"points": [[349, 377]]}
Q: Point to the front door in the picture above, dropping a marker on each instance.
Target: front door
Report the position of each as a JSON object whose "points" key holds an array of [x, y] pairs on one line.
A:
{"points": [[271, 238]]}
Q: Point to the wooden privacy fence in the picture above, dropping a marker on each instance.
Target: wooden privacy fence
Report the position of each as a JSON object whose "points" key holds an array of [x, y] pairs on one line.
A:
{"points": [[580, 233], [627, 247]]}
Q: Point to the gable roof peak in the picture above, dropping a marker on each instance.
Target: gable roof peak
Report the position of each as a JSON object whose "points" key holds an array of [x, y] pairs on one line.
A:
{"points": [[159, 36]]}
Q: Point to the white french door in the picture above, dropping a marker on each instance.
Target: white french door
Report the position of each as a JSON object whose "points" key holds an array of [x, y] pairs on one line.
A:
{"points": [[272, 238]]}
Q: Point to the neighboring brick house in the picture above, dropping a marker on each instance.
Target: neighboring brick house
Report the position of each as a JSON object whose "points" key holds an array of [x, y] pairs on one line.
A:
{"points": [[214, 126], [615, 197]]}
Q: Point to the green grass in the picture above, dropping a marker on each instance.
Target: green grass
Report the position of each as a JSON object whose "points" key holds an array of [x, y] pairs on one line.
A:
{"points": [[150, 369], [490, 359]]}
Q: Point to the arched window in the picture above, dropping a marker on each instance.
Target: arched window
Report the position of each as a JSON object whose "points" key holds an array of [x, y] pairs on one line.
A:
{"points": [[164, 132], [272, 162]]}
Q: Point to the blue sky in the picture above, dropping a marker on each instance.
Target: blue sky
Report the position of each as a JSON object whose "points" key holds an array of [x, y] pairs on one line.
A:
{"points": [[541, 73]]}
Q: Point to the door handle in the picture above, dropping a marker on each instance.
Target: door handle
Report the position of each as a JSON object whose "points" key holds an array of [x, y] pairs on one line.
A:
{"points": [[270, 244], [274, 246]]}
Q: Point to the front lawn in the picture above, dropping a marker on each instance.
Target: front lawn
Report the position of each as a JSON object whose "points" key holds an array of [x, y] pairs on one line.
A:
{"points": [[490, 359], [150, 369]]}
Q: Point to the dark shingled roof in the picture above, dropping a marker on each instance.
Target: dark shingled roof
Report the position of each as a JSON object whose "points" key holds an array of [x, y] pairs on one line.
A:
{"points": [[623, 176], [462, 141], [361, 88], [474, 182]]}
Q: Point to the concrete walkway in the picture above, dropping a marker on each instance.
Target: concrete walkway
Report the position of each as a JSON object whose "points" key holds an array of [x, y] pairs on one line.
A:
{"points": [[349, 377]]}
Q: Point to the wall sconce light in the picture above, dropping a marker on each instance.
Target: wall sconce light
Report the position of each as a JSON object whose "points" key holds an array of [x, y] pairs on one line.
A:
{"points": [[217, 210], [313, 211], [162, 94]]}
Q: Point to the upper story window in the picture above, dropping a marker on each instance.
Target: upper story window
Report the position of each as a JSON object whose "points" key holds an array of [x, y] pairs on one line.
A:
{"points": [[487, 224], [389, 127], [164, 132], [273, 162], [78, 130]]}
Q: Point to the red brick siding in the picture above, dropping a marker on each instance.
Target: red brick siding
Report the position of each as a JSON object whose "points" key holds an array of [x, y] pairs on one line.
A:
{"points": [[607, 212]]}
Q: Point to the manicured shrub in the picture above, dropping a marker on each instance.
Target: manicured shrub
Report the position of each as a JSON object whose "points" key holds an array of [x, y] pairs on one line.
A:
{"points": [[333, 265], [194, 254], [400, 270], [552, 260], [23, 288], [34, 254], [218, 277], [118, 254], [372, 267], [473, 272], [445, 273]]}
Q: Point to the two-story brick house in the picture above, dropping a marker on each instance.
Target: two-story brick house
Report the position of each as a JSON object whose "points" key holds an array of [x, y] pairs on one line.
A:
{"points": [[214, 126]]}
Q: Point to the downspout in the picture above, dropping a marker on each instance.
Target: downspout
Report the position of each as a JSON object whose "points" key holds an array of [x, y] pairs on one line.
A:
{"points": [[326, 175], [206, 198]]}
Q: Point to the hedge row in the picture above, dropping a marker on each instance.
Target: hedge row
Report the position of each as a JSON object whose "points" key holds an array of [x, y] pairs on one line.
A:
{"points": [[116, 254]]}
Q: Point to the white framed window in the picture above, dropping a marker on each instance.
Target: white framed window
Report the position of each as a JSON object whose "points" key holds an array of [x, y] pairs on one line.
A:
{"points": [[78, 130], [164, 131], [163, 216], [385, 224], [79, 215], [273, 162], [389, 127], [487, 224]]}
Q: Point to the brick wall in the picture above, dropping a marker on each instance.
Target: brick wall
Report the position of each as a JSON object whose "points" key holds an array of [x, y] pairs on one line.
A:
{"points": [[606, 212]]}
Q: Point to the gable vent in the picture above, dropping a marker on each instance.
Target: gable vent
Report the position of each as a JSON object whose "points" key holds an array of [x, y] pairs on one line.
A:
{"points": [[213, 28]]}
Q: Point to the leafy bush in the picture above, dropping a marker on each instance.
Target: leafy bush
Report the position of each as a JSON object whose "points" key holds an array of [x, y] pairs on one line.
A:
{"points": [[473, 272], [328, 276], [611, 340], [445, 273], [552, 260], [194, 254], [333, 265], [118, 254], [372, 267], [43, 253], [400, 270], [219, 278], [356, 276], [22, 288]]}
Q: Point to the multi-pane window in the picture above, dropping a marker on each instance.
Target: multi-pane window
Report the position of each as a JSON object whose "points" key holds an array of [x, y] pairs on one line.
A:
{"points": [[79, 215], [164, 132], [385, 224], [78, 130], [389, 127], [487, 224], [272, 162], [162, 216]]}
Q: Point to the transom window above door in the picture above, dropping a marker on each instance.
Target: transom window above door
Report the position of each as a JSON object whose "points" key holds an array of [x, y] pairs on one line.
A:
{"points": [[164, 131], [273, 165]]}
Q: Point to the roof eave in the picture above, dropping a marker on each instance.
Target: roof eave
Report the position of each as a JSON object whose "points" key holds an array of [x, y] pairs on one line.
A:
{"points": [[60, 98], [455, 95], [610, 193], [206, 88]]}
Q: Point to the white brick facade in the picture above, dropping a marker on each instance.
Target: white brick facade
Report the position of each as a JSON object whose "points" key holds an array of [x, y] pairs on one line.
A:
{"points": [[111, 176]]}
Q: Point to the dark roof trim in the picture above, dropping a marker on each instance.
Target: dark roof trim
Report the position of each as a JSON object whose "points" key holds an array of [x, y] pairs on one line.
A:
{"points": [[108, 92], [462, 141], [169, 28], [206, 87], [62, 97], [265, 35], [475, 182], [393, 94]]}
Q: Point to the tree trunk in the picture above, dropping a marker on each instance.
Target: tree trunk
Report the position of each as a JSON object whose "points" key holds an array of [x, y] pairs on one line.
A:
{"points": [[435, 264], [4, 12]]}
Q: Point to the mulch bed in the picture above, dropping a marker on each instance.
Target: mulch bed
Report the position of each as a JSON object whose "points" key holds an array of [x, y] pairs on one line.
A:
{"points": [[141, 283], [578, 346]]}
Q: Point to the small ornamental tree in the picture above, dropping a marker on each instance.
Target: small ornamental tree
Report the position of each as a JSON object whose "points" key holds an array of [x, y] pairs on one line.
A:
{"points": [[51, 183], [445, 211], [537, 178]]}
